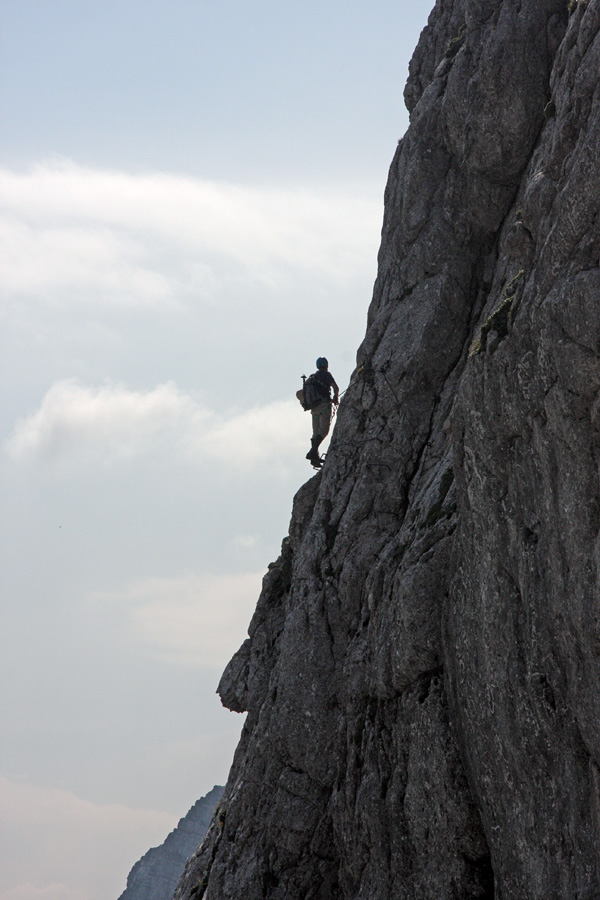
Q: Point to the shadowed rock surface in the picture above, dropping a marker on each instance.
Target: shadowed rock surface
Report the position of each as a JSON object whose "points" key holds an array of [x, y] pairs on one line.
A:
{"points": [[155, 875], [422, 672]]}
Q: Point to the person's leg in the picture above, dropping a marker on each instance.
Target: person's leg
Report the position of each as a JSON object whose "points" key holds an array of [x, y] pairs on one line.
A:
{"points": [[313, 453], [324, 420], [321, 420], [326, 424]]}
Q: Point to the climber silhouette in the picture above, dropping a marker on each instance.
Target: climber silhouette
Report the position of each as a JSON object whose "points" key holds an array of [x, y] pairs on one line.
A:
{"points": [[316, 396]]}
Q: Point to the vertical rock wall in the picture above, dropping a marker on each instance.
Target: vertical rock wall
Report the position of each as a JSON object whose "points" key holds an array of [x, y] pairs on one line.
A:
{"points": [[523, 621], [421, 673]]}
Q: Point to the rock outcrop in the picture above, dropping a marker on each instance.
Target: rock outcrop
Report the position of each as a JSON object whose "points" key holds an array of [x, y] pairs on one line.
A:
{"points": [[422, 673], [155, 875]]}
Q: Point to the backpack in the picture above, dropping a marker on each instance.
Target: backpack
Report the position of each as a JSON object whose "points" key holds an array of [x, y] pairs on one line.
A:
{"points": [[312, 393]]}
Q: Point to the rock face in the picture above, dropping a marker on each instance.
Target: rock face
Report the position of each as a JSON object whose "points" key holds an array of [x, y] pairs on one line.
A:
{"points": [[422, 673], [155, 875]]}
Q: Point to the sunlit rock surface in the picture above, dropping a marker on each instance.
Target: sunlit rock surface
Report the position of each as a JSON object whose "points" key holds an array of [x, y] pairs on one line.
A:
{"points": [[422, 671]]}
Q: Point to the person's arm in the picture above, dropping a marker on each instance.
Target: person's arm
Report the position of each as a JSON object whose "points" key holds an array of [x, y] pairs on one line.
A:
{"points": [[336, 392]]}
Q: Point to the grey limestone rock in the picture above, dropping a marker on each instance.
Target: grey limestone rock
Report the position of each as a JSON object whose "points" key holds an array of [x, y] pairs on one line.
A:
{"points": [[155, 875], [422, 673]]}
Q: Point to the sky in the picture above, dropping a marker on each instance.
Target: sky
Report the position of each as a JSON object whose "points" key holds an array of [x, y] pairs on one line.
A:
{"points": [[191, 203]]}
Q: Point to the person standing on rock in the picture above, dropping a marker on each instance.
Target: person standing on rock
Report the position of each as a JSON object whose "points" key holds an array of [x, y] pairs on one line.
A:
{"points": [[316, 396]]}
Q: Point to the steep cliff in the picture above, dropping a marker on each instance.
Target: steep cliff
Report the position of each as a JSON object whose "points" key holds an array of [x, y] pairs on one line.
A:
{"points": [[155, 875], [422, 671]]}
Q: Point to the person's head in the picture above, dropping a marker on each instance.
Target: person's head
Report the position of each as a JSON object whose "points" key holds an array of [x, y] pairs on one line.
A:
{"points": [[322, 363]]}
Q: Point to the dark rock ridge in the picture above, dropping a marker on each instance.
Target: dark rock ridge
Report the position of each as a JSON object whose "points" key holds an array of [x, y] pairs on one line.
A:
{"points": [[155, 875], [422, 675]]}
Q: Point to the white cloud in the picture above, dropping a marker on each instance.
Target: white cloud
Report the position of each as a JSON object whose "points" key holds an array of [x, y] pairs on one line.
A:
{"points": [[87, 261], [78, 425], [77, 234], [195, 620], [109, 423], [246, 541], [72, 845], [246, 439]]}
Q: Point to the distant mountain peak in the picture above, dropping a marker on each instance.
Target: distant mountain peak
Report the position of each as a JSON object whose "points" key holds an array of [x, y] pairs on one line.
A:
{"points": [[155, 875]]}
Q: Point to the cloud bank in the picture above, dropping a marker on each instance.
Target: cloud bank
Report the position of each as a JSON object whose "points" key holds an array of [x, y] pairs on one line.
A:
{"points": [[73, 234], [78, 425]]}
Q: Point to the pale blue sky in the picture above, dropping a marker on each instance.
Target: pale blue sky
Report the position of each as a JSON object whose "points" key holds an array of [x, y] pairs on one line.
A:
{"points": [[191, 191], [263, 90]]}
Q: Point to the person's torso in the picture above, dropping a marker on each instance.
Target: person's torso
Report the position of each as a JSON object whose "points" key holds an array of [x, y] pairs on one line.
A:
{"points": [[325, 380]]}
